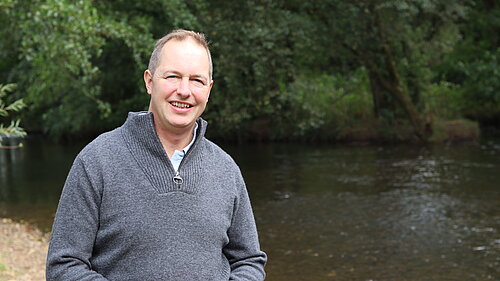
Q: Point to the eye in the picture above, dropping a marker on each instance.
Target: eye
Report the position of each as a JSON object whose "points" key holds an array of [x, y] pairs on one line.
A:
{"points": [[198, 82], [172, 77]]}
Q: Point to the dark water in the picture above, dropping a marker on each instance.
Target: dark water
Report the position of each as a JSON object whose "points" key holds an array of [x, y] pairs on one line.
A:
{"points": [[332, 212]]}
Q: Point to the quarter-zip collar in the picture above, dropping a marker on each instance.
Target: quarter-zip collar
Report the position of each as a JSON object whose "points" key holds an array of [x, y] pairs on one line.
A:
{"points": [[145, 146], [178, 155]]}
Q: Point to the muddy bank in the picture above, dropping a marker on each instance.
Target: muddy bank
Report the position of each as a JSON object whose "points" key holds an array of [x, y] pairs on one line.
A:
{"points": [[23, 250]]}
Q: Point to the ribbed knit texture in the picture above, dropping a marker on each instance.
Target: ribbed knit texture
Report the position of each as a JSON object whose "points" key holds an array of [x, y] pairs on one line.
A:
{"points": [[122, 217], [147, 150]]}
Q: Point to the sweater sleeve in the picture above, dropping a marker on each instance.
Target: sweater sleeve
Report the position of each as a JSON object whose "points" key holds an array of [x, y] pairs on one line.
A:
{"points": [[246, 259], [75, 227]]}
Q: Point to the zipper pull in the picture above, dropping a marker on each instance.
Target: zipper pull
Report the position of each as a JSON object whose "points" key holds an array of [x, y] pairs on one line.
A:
{"points": [[177, 178]]}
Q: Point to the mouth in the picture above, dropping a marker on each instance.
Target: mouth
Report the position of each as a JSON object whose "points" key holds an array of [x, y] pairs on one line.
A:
{"points": [[180, 104]]}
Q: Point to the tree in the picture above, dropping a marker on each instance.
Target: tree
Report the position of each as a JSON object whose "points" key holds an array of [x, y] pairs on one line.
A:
{"points": [[252, 48], [62, 47], [395, 41], [79, 63], [474, 64]]}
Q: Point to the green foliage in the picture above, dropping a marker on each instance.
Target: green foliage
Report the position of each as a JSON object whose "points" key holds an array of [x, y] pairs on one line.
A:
{"points": [[482, 86], [62, 42], [319, 106], [252, 58], [4, 4], [411, 34], [396, 41], [13, 107], [444, 100], [478, 77], [474, 65], [282, 69], [60, 45], [63, 39], [13, 129]]}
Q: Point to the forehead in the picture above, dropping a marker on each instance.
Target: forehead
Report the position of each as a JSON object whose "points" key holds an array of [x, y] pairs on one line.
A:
{"points": [[185, 52]]}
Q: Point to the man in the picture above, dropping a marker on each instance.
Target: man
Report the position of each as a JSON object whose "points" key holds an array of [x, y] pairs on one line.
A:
{"points": [[154, 199]]}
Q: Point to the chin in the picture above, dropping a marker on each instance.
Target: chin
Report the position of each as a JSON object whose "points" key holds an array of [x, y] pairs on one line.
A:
{"points": [[181, 125]]}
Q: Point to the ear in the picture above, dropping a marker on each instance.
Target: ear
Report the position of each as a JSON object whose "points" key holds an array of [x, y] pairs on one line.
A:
{"points": [[210, 88], [148, 81]]}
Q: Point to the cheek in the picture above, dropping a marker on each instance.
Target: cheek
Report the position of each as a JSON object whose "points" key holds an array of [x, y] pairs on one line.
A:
{"points": [[201, 96], [163, 91]]}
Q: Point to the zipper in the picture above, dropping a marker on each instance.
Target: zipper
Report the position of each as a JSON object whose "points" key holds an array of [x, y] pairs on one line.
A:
{"points": [[178, 180]]}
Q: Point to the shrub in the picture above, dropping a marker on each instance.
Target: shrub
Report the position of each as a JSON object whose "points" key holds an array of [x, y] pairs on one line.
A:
{"points": [[13, 128]]}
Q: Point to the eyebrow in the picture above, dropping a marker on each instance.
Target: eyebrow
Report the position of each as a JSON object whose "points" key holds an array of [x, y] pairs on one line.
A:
{"points": [[178, 73]]}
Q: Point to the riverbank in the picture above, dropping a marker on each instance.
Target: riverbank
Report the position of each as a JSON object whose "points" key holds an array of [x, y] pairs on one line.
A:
{"points": [[23, 250], [367, 131]]}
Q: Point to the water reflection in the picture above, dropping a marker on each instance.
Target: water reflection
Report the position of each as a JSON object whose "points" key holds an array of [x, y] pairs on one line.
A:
{"points": [[31, 179], [377, 213], [9, 158], [333, 212]]}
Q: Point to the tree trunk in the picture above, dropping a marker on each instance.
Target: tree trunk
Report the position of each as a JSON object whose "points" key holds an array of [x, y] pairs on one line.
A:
{"points": [[390, 83], [394, 87], [377, 93], [385, 79], [421, 130]]}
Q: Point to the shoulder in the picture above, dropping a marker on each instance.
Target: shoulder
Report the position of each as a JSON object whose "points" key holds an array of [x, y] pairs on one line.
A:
{"points": [[105, 146], [218, 154], [222, 165]]}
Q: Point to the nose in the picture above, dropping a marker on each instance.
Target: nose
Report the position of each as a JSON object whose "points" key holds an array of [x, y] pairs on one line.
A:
{"points": [[183, 88]]}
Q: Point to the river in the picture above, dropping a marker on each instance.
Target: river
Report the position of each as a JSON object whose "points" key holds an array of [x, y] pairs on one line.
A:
{"points": [[331, 212]]}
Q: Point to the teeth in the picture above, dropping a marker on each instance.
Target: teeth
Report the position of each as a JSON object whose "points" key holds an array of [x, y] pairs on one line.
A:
{"points": [[181, 105]]}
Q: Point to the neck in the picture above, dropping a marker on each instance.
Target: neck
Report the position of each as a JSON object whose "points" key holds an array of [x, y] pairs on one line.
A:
{"points": [[174, 139]]}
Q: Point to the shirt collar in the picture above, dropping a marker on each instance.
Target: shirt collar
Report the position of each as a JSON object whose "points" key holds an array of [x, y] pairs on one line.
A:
{"points": [[192, 141]]}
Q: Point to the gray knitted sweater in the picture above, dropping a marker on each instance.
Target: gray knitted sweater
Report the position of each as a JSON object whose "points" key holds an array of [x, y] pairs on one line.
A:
{"points": [[122, 216]]}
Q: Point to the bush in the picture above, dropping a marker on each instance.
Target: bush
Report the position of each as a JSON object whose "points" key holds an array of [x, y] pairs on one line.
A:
{"points": [[320, 106], [460, 130], [13, 128], [443, 100]]}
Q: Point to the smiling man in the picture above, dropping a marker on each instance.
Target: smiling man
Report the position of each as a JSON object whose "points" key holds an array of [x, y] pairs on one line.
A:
{"points": [[154, 199], [179, 80]]}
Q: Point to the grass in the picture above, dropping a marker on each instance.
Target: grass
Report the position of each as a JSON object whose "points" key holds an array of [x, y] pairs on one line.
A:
{"points": [[3, 267], [458, 130]]}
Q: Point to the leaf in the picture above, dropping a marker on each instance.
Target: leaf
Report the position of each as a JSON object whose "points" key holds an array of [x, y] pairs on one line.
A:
{"points": [[16, 106]]}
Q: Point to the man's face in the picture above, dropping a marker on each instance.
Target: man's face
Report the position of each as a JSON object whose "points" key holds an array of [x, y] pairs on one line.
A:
{"points": [[180, 86]]}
